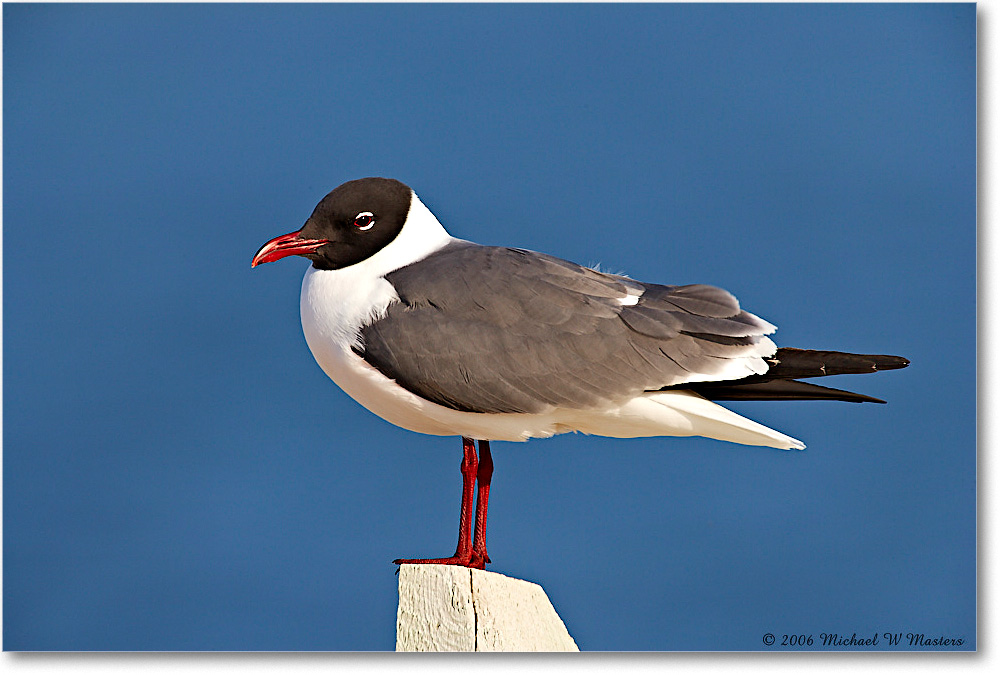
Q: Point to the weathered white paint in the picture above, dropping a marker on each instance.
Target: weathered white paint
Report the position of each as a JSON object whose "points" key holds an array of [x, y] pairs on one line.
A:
{"points": [[448, 608]]}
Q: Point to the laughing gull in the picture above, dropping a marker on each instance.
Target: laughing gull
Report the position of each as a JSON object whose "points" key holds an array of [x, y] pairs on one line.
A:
{"points": [[443, 336]]}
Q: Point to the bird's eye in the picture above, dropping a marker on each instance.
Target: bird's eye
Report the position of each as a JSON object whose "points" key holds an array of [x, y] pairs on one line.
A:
{"points": [[364, 220]]}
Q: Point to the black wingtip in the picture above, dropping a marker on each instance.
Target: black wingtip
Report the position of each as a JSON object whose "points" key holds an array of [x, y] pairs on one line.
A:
{"points": [[885, 361], [789, 363], [792, 363], [891, 363], [776, 390]]}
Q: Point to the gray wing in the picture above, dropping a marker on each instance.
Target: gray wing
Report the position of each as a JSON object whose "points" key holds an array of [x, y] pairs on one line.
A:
{"points": [[501, 330]]}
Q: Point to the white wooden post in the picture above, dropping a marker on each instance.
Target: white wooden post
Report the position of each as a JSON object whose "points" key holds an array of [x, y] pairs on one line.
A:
{"points": [[449, 608]]}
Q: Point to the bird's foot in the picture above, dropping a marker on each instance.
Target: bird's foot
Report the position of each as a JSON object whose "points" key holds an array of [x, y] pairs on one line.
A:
{"points": [[474, 560]]}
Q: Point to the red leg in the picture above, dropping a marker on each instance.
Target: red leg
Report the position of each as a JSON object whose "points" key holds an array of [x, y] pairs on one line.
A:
{"points": [[483, 475], [463, 553]]}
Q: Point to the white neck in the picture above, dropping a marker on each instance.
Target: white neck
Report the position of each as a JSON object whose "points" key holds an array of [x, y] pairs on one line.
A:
{"points": [[420, 236]]}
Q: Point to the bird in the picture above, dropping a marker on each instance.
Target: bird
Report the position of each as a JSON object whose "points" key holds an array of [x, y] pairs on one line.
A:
{"points": [[443, 336]]}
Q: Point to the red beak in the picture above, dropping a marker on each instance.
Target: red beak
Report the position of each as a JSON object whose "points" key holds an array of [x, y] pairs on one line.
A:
{"points": [[285, 245]]}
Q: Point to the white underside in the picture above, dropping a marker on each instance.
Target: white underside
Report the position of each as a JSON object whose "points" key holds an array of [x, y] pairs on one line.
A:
{"points": [[335, 303]]}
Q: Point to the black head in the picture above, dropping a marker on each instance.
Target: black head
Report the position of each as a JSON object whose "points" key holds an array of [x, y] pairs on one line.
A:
{"points": [[358, 219], [351, 224]]}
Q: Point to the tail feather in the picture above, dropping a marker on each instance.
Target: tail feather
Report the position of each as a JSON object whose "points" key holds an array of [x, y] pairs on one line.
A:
{"points": [[704, 418]]}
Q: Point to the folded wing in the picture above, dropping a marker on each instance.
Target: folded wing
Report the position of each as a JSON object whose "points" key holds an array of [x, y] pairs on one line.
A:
{"points": [[501, 330]]}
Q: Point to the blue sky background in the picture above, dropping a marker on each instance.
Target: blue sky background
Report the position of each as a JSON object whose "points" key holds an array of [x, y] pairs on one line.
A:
{"points": [[180, 474]]}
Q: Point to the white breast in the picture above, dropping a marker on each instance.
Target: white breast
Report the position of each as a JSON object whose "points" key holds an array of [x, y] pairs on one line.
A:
{"points": [[334, 306]]}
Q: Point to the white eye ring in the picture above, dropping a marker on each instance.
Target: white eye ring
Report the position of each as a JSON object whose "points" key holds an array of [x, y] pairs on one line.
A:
{"points": [[364, 217]]}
